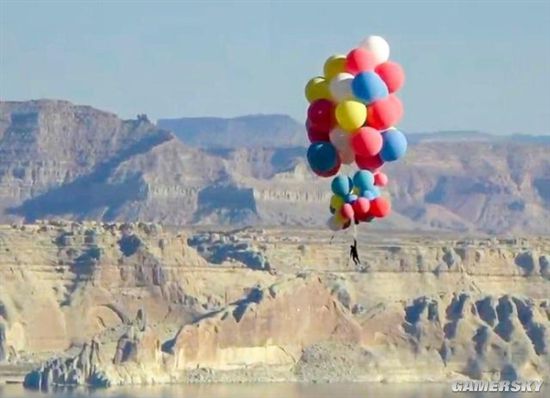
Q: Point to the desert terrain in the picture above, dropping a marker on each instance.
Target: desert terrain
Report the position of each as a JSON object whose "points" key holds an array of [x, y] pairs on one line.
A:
{"points": [[194, 250], [136, 303]]}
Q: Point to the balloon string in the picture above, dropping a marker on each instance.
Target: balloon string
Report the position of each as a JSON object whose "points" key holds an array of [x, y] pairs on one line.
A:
{"points": [[354, 230]]}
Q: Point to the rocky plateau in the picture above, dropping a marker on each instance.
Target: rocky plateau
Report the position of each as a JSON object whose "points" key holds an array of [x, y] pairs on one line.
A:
{"points": [[135, 303]]}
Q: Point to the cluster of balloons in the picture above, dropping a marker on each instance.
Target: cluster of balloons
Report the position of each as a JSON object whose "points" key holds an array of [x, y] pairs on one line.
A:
{"points": [[357, 199], [351, 119]]}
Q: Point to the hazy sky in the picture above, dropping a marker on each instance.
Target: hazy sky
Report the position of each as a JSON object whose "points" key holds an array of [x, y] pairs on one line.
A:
{"points": [[469, 64]]}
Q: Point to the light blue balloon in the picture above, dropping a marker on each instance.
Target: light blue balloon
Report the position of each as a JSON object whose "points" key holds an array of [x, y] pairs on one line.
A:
{"points": [[369, 87], [341, 185], [364, 180], [394, 145], [371, 193], [350, 198]]}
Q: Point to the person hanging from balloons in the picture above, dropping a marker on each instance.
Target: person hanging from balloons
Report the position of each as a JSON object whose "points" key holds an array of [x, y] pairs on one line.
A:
{"points": [[353, 254], [351, 119]]}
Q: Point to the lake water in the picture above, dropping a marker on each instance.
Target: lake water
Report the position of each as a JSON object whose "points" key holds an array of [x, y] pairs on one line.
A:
{"points": [[272, 390]]}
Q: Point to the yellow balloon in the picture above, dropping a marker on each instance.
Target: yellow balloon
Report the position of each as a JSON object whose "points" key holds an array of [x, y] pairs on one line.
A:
{"points": [[336, 202], [317, 88], [351, 115], [356, 191], [334, 65]]}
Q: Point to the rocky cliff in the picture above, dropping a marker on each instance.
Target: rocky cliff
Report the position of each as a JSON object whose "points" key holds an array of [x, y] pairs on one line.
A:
{"points": [[107, 304], [58, 159], [62, 160]]}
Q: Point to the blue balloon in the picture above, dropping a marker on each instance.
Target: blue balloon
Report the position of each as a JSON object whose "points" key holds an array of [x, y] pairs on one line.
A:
{"points": [[369, 87], [350, 198], [341, 185], [394, 145], [368, 194], [322, 157], [364, 180], [375, 191], [371, 193]]}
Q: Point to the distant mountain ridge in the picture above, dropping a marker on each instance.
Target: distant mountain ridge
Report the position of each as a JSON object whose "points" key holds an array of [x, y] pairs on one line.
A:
{"points": [[282, 131], [63, 160], [475, 136], [240, 132]]}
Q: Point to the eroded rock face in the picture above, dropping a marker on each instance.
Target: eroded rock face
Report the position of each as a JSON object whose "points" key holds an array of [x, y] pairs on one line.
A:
{"points": [[62, 160], [273, 327], [81, 280], [3, 343], [84, 368], [482, 337], [418, 309], [95, 366]]}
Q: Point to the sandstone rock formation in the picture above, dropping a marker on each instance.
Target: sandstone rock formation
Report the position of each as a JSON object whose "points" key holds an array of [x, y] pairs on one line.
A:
{"points": [[269, 327], [62, 160], [419, 308]]}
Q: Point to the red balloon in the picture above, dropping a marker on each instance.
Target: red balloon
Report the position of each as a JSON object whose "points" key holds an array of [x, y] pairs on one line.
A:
{"points": [[361, 208], [331, 172], [321, 115], [384, 113], [366, 141], [371, 163], [380, 207], [392, 74], [360, 60], [347, 211], [316, 135], [380, 179]]}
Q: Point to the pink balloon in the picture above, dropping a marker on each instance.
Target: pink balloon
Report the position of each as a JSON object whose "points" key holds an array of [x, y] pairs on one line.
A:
{"points": [[384, 113], [380, 179], [314, 134], [360, 60], [366, 141], [392, 74], [372, 163], [347, 211], [361, 208], [320, 114]]}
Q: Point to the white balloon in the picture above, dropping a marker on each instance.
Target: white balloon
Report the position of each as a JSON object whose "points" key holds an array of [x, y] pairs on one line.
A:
{"points": [[378, 46], [340, 87], [340, 139], [347, 157]]}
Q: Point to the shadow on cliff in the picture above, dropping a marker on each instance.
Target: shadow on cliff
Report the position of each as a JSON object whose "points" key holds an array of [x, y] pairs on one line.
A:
{"points": [[93, 192]]}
